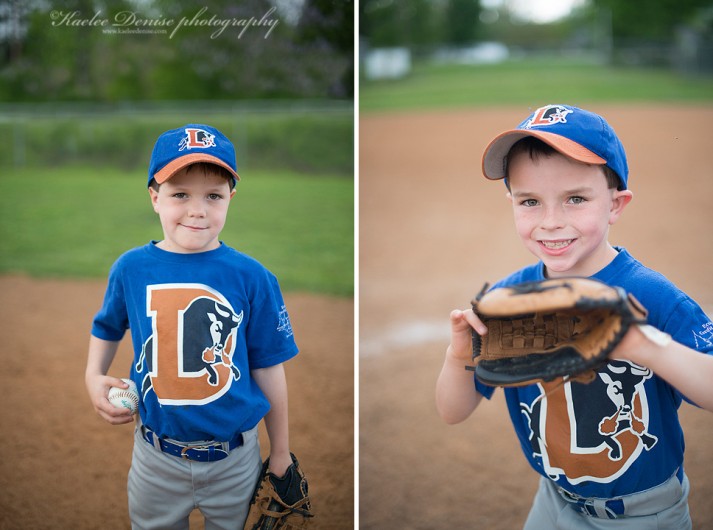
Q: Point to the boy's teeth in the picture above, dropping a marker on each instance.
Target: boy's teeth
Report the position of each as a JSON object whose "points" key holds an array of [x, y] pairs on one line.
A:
{"points": [[556, 244]]}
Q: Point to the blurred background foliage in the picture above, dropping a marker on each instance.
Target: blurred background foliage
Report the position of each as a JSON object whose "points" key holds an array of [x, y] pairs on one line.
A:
{"points": [[676, 34], [97, 81], [86, 87], [446, 53], [48, 57]]}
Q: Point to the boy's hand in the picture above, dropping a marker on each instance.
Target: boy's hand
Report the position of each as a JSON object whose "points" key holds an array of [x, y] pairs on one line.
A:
{"points": [[456, 396], [98, 388], [463, 322], [640, 343], [280, 502], [279, 462]]}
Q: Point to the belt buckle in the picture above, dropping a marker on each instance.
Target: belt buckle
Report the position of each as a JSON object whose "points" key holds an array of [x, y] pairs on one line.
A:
{"points": [[571, 497], [582, 504], [212, 451], [184, 453]]}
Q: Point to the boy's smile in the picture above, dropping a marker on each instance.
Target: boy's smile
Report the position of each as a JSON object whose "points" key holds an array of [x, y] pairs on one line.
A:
{"points": [[562, 211], [192, 206]]}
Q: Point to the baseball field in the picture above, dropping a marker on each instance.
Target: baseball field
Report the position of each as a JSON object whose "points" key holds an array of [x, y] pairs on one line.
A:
{"points": [[433, 230], [63, 467], [452, 232]]}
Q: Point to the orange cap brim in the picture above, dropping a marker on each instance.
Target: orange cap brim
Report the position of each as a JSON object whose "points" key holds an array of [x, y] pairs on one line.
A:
{"points": [[497, 150], [170, 169]]}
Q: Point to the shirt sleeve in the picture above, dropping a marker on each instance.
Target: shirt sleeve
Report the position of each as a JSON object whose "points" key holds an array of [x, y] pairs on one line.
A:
{"points": [[270, 338], [112, 321], [486, 390], [689, 325]]}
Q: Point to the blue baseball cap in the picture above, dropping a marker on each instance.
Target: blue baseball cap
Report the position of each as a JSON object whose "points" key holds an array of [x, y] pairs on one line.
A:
{"points": [[178, 148], [576, 133]]}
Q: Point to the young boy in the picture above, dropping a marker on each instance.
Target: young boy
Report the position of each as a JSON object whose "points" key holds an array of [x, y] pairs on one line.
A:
{"points": [[210, 333], [610, 453]]}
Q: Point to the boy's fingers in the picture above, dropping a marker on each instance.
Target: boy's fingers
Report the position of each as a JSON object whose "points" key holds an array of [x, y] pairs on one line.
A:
{"points": [[456, 316], [475, 322], [115, 415], [463, 320], [118, 420], [115, 381]]}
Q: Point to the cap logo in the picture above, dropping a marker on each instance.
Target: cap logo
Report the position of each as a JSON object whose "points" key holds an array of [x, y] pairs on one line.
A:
{"points": [[549, 115], [197, 139]]}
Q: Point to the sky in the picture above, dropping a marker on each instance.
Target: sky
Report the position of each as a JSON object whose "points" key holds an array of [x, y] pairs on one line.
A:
{"points": [[538, 11]]}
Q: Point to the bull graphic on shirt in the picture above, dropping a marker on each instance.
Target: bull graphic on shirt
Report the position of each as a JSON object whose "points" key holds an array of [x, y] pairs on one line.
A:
{"points": [[189, 358], [591, 431]]}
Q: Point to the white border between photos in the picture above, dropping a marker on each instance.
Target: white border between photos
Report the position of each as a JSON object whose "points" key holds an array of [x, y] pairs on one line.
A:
{"points": [[356, 265]]}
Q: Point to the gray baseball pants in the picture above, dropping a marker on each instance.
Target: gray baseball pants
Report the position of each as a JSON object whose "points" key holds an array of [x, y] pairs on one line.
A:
{"points": [[163, 489], [663, 507]]}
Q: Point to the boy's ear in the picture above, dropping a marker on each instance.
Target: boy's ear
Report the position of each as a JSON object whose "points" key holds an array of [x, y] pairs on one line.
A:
{"points": [[620, 198], [154, 197]]}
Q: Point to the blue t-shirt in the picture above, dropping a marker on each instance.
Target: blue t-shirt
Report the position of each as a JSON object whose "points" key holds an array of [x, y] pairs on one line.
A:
{"points": [[199, 323], [619, 434]]}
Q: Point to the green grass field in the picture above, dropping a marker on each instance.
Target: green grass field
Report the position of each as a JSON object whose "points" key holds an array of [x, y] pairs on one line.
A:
{"points": [[74, 221], [312, 138], [535, 81]]}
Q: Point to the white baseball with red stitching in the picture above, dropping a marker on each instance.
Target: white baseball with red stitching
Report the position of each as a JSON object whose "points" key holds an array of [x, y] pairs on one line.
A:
{"points": [[125, 397]]}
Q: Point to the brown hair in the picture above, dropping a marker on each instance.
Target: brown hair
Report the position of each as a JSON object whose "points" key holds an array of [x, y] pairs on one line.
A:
{"points": [[207, 169], [534, 148]]}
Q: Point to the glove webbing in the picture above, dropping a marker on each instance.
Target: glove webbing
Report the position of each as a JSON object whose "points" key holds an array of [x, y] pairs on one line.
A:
{"points": [[539, 332]]}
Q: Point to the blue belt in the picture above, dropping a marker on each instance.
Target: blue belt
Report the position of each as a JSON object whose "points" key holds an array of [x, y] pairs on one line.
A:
{"points": [[206, 452], [613, 508]]}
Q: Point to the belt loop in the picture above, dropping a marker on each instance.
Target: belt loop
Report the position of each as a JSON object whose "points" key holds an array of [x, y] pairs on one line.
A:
{"points": [[150, 436], [615, 508]]}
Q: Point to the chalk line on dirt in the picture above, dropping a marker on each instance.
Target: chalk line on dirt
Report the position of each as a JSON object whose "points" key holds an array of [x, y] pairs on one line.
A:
{"points": [[404, 336]]}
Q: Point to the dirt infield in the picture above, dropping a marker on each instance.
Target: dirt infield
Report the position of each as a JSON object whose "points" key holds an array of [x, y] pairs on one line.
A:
{"points": [[432, 230], [63, 467]]}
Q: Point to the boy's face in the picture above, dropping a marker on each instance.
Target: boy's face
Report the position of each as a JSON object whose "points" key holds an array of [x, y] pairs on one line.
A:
{"points": [[563, 210], [192, 206]]}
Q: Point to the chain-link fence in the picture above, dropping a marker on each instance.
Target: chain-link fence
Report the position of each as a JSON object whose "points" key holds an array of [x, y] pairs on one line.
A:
{"points": [[307, 136]]}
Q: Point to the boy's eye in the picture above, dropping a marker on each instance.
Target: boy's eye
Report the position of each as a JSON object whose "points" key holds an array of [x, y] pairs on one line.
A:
{"points": [[180, 195], [215, 196], [529, 202], [576, 200]]}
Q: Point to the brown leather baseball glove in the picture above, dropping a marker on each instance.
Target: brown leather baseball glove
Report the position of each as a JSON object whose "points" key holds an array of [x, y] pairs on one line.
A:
{"points": [[280, 503], [539, 331]]}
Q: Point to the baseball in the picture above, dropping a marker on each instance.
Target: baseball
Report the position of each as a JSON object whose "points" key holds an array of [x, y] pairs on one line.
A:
{"points": [[125, 397]]}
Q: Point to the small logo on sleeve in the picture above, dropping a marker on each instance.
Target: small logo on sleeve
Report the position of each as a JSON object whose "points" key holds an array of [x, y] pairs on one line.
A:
{"points": [[704, 337], [284, 325]]}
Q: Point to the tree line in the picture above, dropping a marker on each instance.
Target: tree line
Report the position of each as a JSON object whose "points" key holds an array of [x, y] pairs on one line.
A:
{"points": [[425, 24], [91, 50]]}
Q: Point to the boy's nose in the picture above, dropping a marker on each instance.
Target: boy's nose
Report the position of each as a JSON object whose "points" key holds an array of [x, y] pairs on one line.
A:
{"points": [[552, 218], [196, 209]]}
